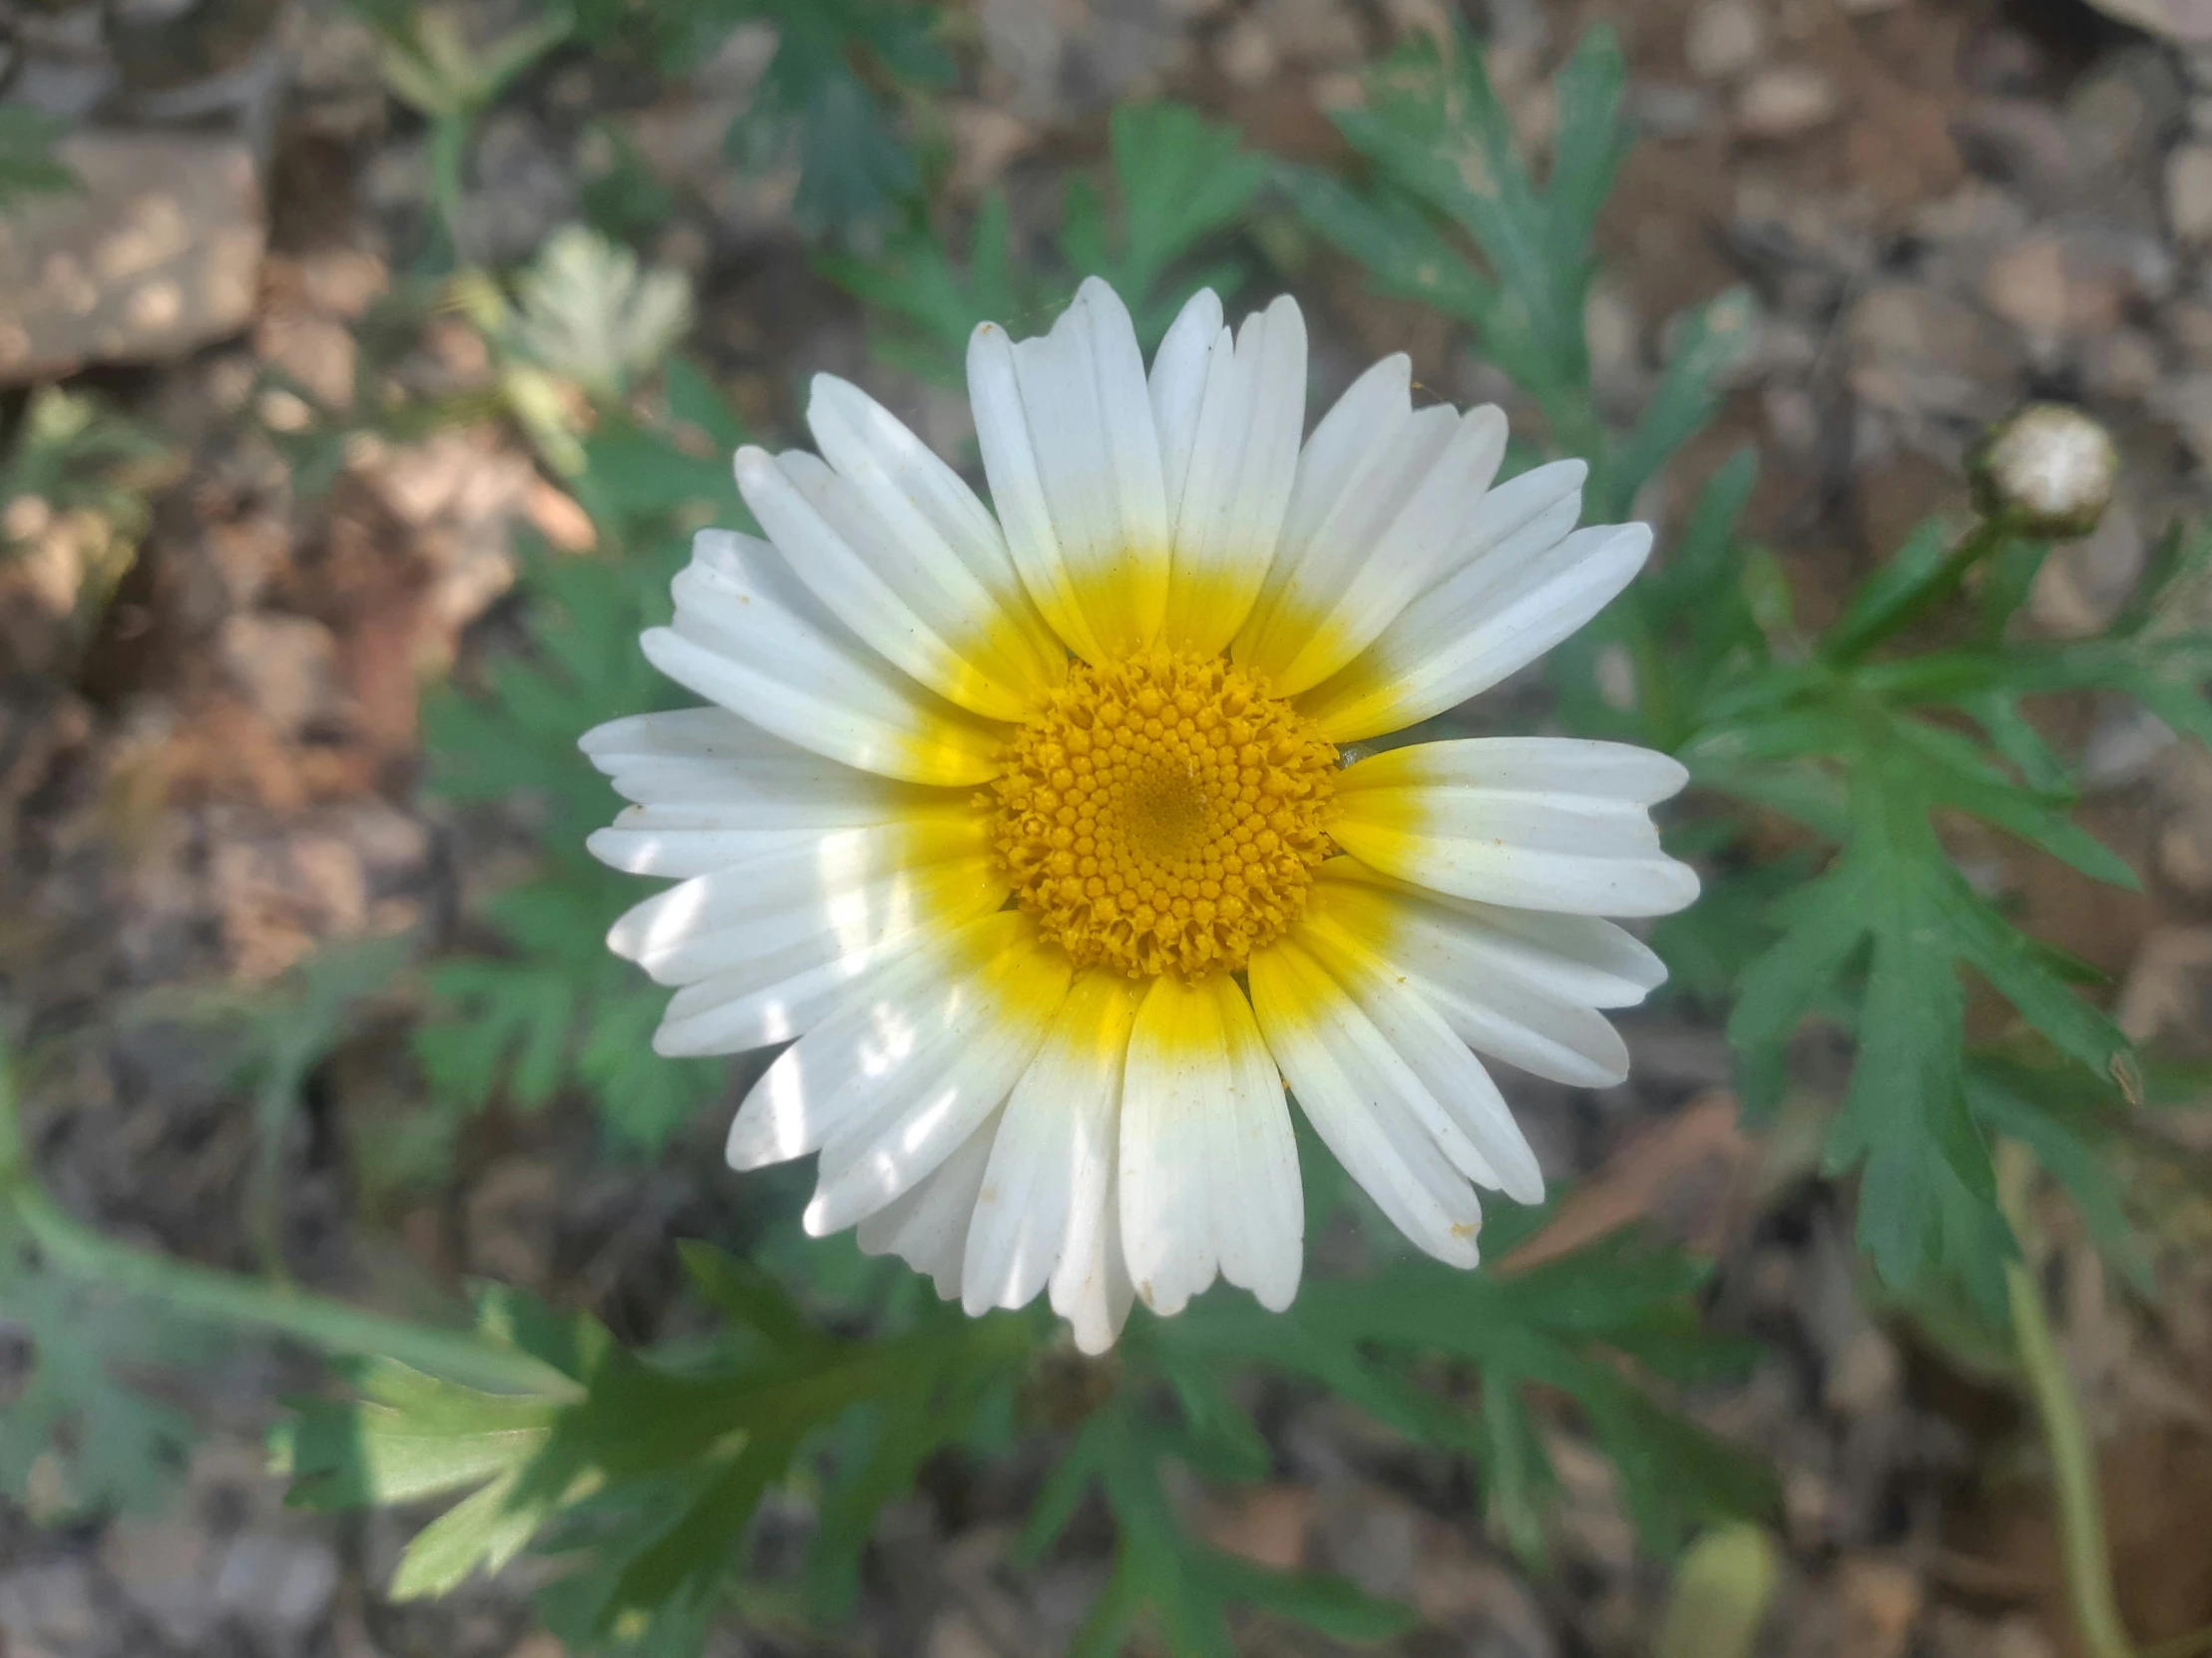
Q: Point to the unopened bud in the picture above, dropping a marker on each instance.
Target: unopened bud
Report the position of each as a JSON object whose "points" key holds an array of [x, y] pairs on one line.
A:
{"points": [[2047, 471]]}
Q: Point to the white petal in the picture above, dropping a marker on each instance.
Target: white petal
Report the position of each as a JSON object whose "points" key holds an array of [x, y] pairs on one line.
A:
{"points": [[916, 493], [1367, 1105], [750, 638], [1353, 474], [914, 1114], [907, 594], [1352, 438], [1429, 511], [1385, 502], [710, 759], [860, 880], [764, 948], [712, 790], [1178, 385], [1055, 1152], [769, 1000], [1091, 1288], [898, 1030], [1514, 599], [928, 536], [927, 1227], [1529, 822], [1518, 984], [1210, 1164], [1237, 487], [660, 840], [1094, 455], [1571, 957], [785, 992], [1457, 1102], [1010, 462]]}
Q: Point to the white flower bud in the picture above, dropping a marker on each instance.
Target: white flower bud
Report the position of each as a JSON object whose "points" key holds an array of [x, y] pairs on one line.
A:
{"points": [[2050, 470]]}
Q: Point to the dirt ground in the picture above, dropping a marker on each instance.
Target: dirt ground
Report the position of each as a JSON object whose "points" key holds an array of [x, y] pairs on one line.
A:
{"points": [[1944, 207]]}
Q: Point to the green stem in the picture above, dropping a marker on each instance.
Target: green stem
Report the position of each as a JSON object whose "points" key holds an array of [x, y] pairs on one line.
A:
{"points": [[2074, 1488], [2191, 1645], [449, 138], [206, 1293], [224, 1297], [1986, 536]]}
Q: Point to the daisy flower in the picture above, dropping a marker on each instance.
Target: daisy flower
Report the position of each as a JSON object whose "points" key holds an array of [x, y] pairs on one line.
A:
{"points": [[1029, 827]]}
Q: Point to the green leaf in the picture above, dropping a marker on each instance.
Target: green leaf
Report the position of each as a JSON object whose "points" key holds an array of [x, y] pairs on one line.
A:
{"points": [[1911, 573], [1181, 179], [855, 170], [927, 307], [645, 1485], [1710, 342], [82, 1431], [558, 1010], [1565, 1325], [1336, 1607], [632, 472], [483, 1532], [2041, 1107], [1407, 257], [1442, 147], [1824, 926], [1180, 182], [1591, 143], [745, 1294], [2179, 561], [28, 165]]}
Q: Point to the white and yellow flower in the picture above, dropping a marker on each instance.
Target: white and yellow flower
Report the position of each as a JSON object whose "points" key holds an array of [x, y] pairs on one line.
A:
{"points": [[1033, 828]]}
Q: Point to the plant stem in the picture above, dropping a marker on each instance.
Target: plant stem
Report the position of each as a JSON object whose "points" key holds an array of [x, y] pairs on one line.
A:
{"points": [[2074, 1488], [2191, 1645], [1986, 536], [206, 1292], [449, 138]]}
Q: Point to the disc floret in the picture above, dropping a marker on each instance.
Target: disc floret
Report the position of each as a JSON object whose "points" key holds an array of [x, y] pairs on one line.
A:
{"points": [[1164, 814]]}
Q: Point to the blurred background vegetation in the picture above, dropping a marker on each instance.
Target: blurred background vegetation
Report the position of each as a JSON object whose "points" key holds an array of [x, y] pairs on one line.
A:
{"points": [[368, 1287]]}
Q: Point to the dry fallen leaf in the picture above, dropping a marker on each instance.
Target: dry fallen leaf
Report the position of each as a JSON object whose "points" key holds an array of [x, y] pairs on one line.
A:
{"points": [[1681, 1176]]}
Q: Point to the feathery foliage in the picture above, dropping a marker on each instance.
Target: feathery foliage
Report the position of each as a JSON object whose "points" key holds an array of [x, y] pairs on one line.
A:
{"points": [[1866, 747], [1180, 180], [644, 1474]]}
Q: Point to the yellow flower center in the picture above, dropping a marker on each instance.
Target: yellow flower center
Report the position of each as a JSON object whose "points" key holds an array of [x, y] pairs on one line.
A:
{"points": [[1164, 814]]}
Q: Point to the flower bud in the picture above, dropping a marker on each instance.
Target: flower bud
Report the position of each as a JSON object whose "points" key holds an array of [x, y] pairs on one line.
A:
{"points": [[2046, 471]]}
